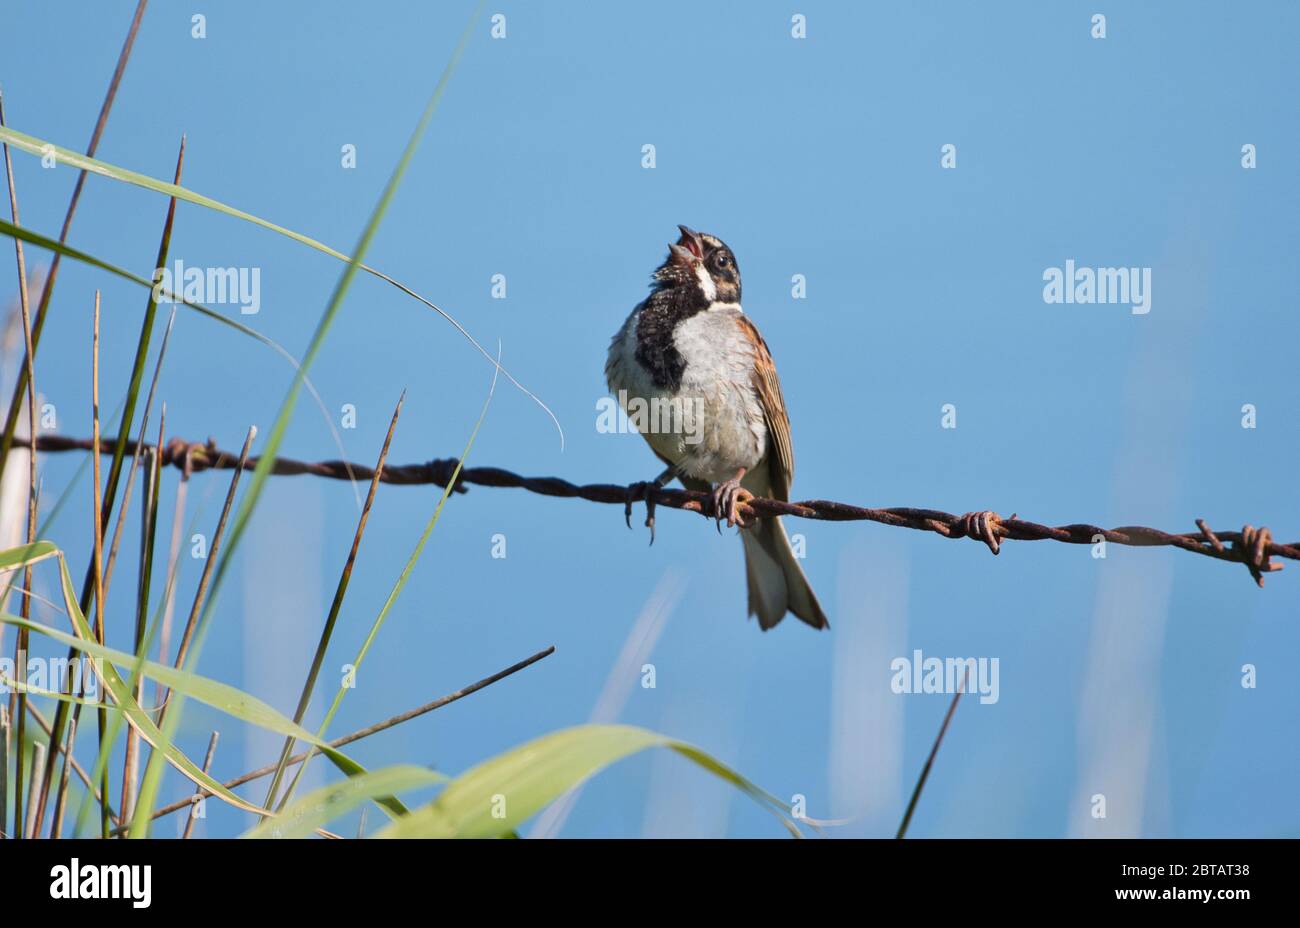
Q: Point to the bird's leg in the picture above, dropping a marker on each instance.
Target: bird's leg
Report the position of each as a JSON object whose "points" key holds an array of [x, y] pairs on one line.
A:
{"points": [[641, 489], [727, 497]]}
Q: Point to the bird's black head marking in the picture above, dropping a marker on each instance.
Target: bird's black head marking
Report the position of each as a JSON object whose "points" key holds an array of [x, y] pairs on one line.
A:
{"points": [[720, 262], [698, 272], [703, 266]]}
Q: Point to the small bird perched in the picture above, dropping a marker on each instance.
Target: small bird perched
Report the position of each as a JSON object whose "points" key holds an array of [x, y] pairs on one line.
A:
{"points": [[689, 346]]}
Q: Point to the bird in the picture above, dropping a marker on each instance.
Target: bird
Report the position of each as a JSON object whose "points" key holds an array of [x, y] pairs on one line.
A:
{"points": [[689, 348]]}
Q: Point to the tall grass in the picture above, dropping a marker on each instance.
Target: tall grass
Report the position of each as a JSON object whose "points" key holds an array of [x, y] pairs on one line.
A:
{"points": [[529, 776]]}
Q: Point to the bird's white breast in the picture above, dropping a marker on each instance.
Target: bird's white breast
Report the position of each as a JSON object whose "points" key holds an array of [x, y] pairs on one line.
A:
{"points": [[717, 381]]}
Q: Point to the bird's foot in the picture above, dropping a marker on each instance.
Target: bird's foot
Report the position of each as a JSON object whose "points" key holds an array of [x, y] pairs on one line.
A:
{"points": [[727, 497], [642, 490]]}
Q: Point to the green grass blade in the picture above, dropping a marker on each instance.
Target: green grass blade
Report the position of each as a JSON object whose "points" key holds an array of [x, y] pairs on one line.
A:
{"points": [[38, 147], [281, 424], [127, 419], [18, 686], [53, 515], [37, 735], [44, 550], [491, 799], [336, 605], [44, 241], [319, 807], [25, 234], [153, 774], [221, 696], [218, 695], [143, 648], [396, 591]]}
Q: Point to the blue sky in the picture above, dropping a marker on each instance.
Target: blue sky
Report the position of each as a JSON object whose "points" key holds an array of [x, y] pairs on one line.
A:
{"points": [[817, 156]]}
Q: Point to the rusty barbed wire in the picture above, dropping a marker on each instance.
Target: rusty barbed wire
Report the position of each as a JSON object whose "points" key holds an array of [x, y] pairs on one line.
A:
{"points": [[1251, 546]]}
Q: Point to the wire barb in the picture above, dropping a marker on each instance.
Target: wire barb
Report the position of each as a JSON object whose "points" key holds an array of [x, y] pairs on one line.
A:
{"points": [[1251, 546], [982, 526]]}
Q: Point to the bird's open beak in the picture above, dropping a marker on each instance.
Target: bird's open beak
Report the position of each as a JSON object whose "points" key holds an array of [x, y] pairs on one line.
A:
{"points": [[689, 248], [691, 241], [680, 256]]}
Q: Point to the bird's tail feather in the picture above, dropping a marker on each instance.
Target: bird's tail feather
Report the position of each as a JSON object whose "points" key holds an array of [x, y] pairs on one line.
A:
{"points": [[776, 581]]}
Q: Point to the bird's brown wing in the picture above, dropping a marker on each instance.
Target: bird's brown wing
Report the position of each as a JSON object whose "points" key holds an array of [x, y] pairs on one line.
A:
{"points": [[780, 451]]}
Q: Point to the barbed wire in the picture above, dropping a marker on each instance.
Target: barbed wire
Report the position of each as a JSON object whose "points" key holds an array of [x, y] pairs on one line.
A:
{"points": [[1251, 546]]}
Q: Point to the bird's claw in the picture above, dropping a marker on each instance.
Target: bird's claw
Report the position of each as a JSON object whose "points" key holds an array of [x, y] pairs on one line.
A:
{"points": [[641, 490], [650, 516], [727, 497], [628, 500]]}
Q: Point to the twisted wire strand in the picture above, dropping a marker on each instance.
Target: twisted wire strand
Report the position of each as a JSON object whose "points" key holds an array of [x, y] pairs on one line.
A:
{"points": [[1251, 546]]}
